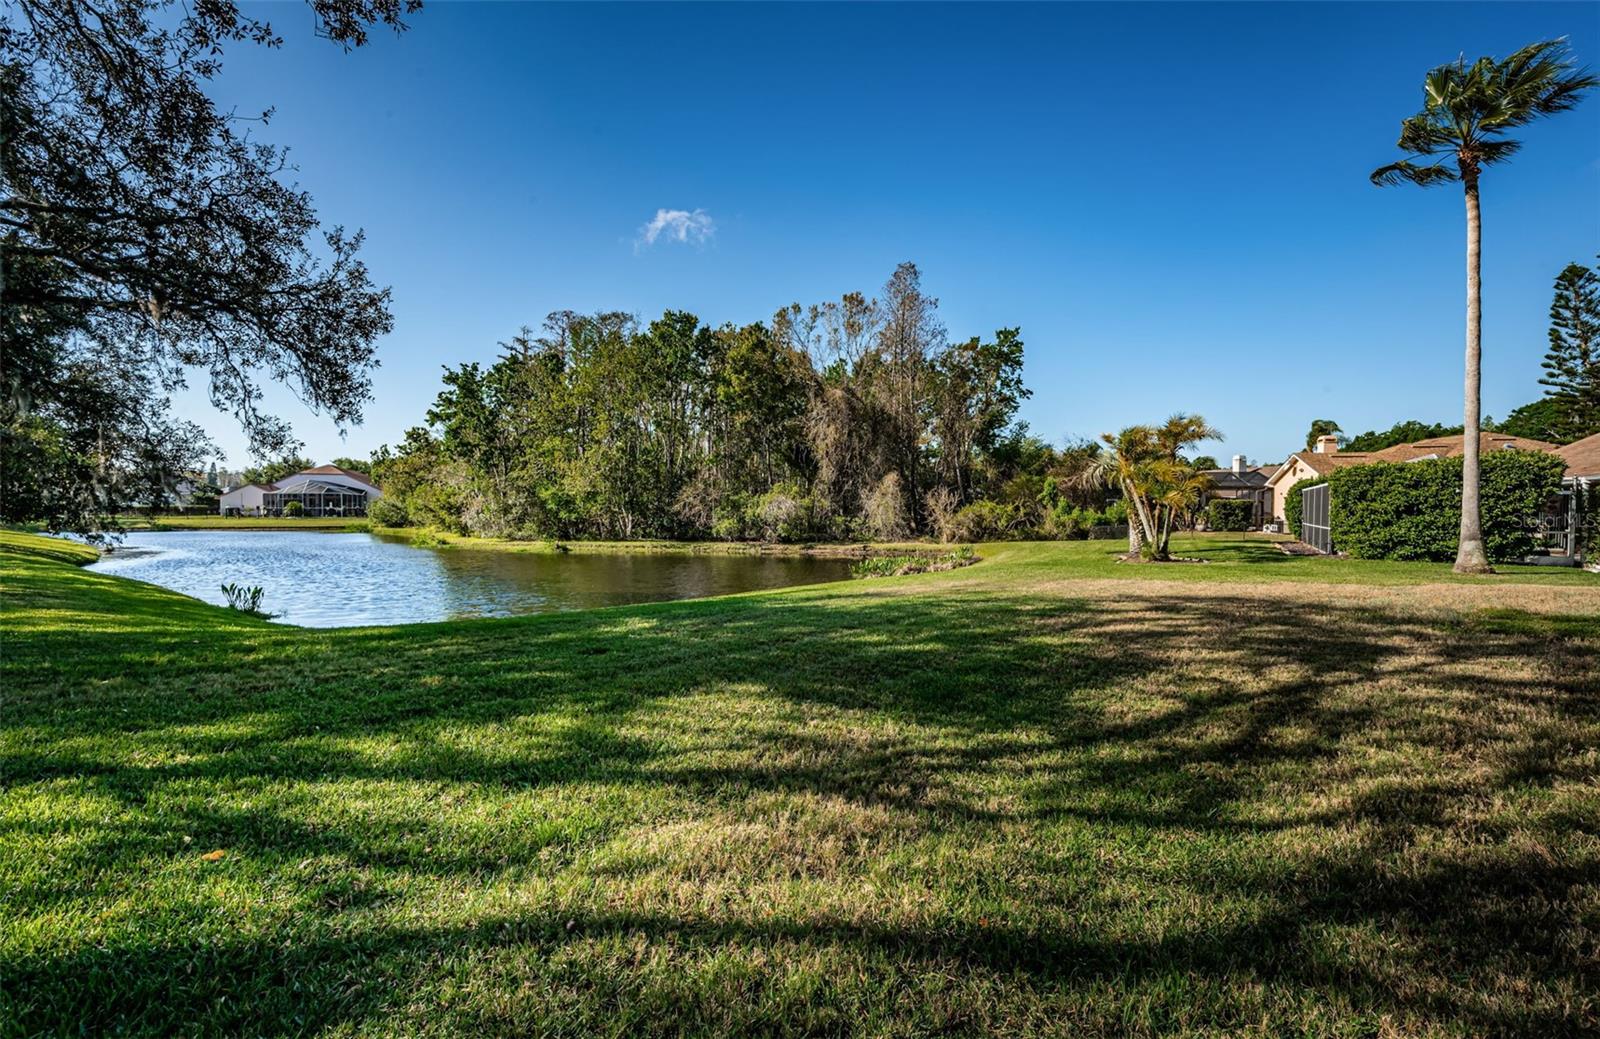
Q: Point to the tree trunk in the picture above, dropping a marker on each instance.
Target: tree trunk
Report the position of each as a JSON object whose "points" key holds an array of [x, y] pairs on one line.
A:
{"points": [[1471, 557], [1135, 529]]}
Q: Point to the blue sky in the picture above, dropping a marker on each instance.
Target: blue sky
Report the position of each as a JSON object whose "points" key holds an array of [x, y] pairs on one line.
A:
{"points": [[1171, 201]]}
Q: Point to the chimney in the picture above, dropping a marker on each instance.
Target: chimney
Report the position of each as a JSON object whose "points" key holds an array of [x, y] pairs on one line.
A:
{"points": [[1327, 444], [1238, 464]]}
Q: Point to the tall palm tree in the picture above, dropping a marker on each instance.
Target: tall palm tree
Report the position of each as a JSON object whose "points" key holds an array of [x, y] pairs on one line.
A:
{"points": [[1467, 110]]}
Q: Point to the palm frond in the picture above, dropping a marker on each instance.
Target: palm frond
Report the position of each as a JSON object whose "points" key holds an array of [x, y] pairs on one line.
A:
{"points": [[1424, 134], [1411, 173], [1467, 109], [1490, 152]]}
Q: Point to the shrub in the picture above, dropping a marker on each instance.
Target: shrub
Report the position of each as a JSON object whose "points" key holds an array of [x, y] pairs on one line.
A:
{"points": [[1292, 503], [984, 521], [245, 599], [783, 514], [388, 512], [428, 537], [884, 510], [941, 504], [1412, 510], [293, 508], [1064, 523], [1229, 513]]}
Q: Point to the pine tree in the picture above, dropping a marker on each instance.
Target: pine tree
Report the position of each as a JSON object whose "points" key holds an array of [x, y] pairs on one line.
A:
{"points": [[1572, 365]]}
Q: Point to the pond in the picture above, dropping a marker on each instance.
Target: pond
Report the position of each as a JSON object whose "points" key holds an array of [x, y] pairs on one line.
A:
{"points": [[337, 580]]}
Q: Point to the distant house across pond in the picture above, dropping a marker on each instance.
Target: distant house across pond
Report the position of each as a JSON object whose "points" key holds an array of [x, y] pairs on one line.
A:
{"points": [[326, 490]]}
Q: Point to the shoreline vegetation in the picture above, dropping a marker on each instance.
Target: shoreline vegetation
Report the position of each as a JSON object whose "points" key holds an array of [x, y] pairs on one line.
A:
{"points": [[1212, 798], [1232, 557]]}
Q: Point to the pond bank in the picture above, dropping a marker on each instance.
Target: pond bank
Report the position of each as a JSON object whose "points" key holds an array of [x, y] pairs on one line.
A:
{"points": [[431, 538], [350, 579]]}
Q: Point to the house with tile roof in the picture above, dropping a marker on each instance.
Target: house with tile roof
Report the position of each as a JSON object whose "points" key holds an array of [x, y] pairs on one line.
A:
{"points": [[1583, 460], [1244, 481], [1325, 457], [325, 490]]}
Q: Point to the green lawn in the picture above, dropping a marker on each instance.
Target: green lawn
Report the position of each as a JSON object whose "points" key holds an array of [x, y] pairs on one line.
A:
{"points": [[1047, 794], [241, 523]]}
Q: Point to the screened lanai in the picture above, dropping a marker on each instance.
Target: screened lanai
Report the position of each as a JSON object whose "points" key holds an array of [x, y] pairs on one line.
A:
{"points": [[316, 498]]}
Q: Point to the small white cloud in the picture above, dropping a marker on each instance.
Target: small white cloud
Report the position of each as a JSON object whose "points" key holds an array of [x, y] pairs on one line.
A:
{"points": [[677, 225]]}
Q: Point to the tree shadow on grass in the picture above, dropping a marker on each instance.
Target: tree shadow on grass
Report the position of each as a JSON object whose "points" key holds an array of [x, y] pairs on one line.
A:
{"points": [[1231, 725]]}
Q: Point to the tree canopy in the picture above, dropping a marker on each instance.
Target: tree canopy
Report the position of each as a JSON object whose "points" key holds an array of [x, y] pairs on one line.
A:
{"points": [[148, 235], [1572, 364], [854, 417], [1322, 427]]}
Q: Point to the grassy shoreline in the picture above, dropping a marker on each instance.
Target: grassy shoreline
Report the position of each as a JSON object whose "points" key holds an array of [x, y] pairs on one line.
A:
{"points": [[1032, 797], [438, 538], [1229, 557]]}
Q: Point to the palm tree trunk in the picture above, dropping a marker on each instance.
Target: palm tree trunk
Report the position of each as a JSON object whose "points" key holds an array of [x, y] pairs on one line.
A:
{"points": [[1135, 527], [1471, 557]]}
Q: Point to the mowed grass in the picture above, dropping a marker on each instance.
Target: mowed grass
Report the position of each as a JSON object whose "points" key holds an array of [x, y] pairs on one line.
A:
{"points": [[212, 522], [1037, 796]]}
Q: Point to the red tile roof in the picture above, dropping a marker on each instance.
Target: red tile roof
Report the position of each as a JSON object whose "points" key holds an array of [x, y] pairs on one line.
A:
{"points": [[1585, 454], [1450, 447], [1324, 463], [1582, 456]]}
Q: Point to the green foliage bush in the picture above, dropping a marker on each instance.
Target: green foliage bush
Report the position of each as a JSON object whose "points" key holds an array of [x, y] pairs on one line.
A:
{"points": [[293, 508], [1063, 521], [1292, 503], [428, 537], [1229, 513], [1412, 510], [388, 512], [786, 513], [985, 521]]}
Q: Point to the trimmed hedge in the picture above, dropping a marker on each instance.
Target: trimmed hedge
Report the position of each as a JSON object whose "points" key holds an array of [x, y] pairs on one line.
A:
{"points": [[1292, 504], [1412, 510], [1229, 513]]}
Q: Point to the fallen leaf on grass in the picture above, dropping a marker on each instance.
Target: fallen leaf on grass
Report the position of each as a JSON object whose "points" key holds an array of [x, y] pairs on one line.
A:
{"points": [[213, 856]]}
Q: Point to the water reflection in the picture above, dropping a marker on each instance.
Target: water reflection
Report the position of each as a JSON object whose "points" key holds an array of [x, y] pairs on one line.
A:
{"points": [[337, 580]]}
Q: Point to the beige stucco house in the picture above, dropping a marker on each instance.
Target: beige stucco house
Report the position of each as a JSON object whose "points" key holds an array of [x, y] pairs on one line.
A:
{"points": [[1320, 460], [1326, 457]]}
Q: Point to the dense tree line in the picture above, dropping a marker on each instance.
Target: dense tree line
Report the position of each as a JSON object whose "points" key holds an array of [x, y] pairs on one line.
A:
{"points": [[852, 418]]}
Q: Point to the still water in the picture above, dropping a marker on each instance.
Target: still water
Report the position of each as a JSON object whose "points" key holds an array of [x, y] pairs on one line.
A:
{"points": [[336, 580]]}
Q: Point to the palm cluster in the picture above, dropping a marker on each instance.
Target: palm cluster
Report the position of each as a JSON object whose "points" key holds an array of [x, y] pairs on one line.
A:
{"points": [[1146, 464]]}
